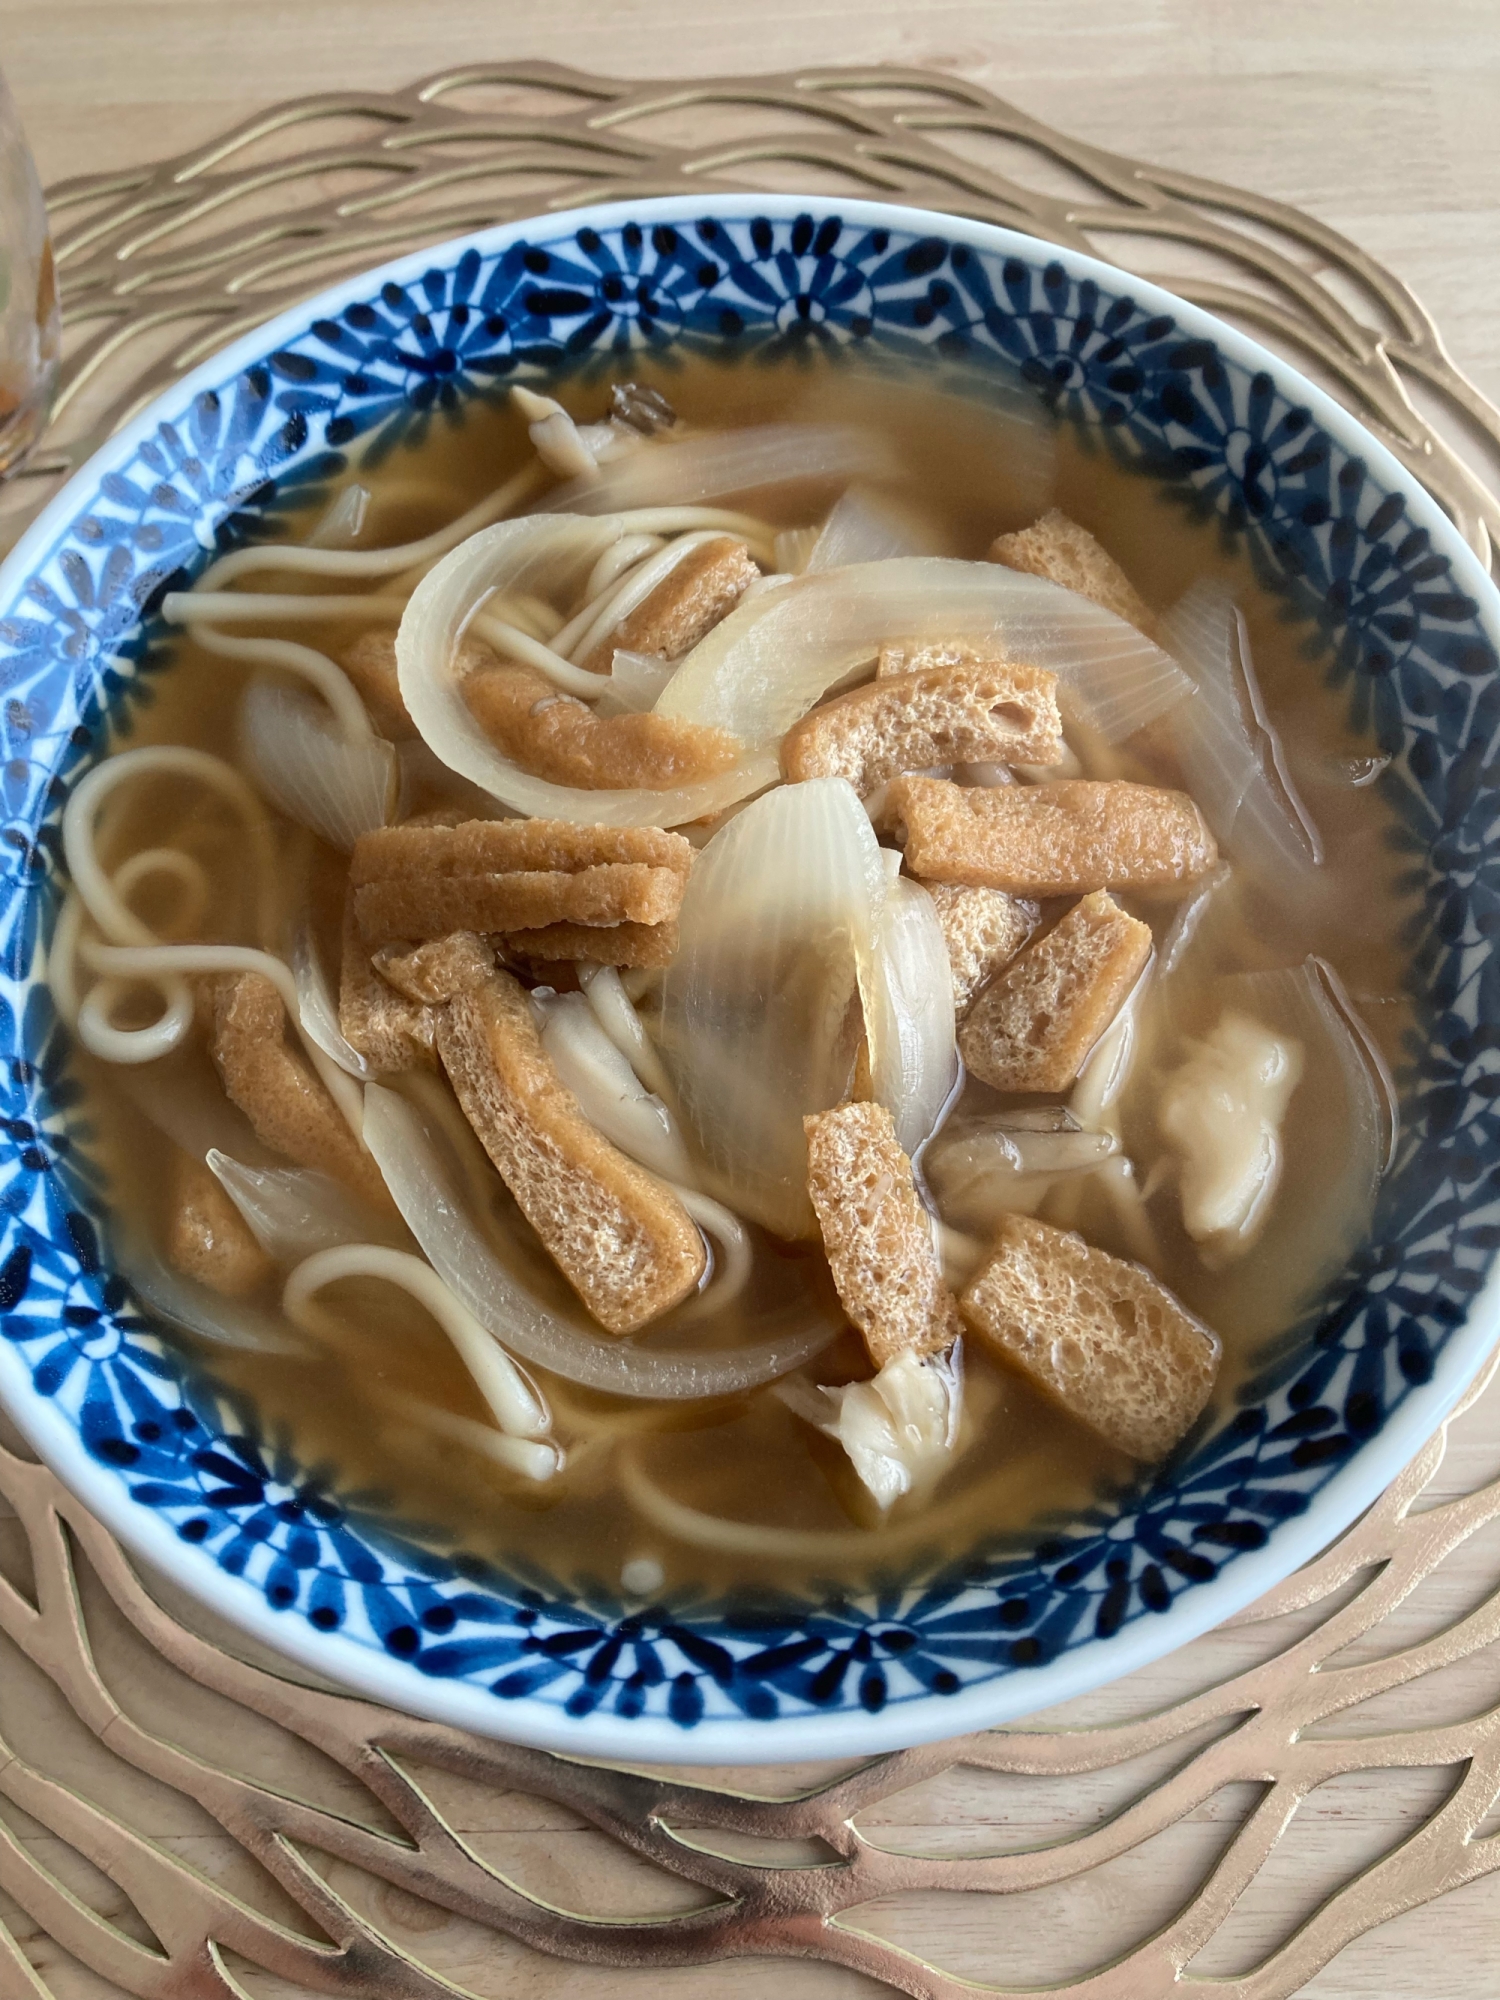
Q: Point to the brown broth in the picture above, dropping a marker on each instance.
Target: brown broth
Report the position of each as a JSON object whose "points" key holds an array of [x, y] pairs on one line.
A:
{"points": [[1022, 1462]]}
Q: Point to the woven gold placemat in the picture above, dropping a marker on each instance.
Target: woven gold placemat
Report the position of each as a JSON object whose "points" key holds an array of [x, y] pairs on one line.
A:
{"points": [[181, 1817]]}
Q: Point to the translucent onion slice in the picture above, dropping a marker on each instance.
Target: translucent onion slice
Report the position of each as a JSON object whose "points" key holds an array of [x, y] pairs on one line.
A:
{"points": [[862, 528], [610, 1094], [1231, 759], [766, 664], [340, 786], [344, 521], [909, 1014], [635, 683], [317, 1008], [550, 553], [898, 1429], [717, 464], [760, 1010], [615, 1011], [192, 1308], [294, 1211], [427, 1195]]}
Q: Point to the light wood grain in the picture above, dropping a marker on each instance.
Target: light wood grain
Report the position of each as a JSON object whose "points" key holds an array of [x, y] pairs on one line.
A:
{"points": [[1381, 119]]}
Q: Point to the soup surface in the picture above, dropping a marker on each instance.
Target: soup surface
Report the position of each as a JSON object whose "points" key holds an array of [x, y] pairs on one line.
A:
{"points": [[1242, 1201]]}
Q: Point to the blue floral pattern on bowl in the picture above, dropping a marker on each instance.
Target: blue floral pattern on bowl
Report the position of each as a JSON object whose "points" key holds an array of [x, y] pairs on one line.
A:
{"points": [[1392, 615]]}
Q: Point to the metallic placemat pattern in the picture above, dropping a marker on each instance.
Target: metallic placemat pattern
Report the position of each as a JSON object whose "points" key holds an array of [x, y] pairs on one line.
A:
{"points": [[311, 1790]]}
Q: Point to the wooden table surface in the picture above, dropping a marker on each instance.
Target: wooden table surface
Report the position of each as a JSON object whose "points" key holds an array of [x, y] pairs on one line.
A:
{"points": [[1382, 119]]}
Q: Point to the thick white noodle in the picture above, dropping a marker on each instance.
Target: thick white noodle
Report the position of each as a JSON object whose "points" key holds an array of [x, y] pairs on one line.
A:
{"points": [[199, 607], [518, 1407], [307, 663], [376, 562], [105, 906]]}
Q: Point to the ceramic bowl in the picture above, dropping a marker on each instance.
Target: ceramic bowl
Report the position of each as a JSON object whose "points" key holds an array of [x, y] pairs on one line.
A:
{"points": [[1397, 614]]}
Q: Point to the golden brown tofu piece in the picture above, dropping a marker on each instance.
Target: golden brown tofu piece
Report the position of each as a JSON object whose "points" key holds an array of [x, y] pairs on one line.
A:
{"points": [[1101, 1337], [277, 1089], [501, 877], [876, 1233], [983, 930], [390, 1031], [1059, 550], [555, 736], [371, 664], [978, 713], [620, 1236], [207, 1237], [703, 587], [1061, 839], [1033, 1027]]}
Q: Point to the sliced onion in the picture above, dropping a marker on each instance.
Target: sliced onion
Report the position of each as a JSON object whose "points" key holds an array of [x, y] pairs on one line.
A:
{"points": [[294, 1211], [555, 551], [717, 464], [318, 1010], [340, 786], [909, 1013], [610, 1094], [862, 528], [193, 1308], [344, 521], [635, 683], [765, 665], [424, 1190], [1230, 755], [616, 1015], [759, 1012]]}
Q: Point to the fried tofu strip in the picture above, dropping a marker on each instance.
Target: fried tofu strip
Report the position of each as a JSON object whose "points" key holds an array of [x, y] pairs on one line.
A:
{"points": [[620, 1236], [207, 1237], [983, 930], [1059, 550], [1099, 1336], [1061, 839], [390, 1031], [277, 1090], [555, 736], [703, 587], [979, 712], [519, 877], [371, 664], [1033, 1028], [877, 1235]]}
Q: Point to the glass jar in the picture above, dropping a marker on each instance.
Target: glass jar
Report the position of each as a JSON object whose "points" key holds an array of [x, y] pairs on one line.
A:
{"points": [[30, 332]]}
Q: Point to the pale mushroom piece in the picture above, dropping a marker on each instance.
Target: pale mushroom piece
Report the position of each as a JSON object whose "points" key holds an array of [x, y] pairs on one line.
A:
{"points": [[619, 1235], [1222, 1112]]}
